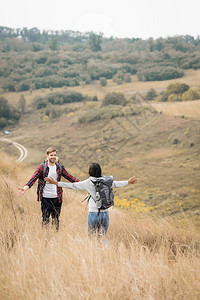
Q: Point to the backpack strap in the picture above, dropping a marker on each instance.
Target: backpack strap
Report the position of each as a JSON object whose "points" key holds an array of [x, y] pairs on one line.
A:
{"points": [[60, 167], [44, 167], [97, 184]]}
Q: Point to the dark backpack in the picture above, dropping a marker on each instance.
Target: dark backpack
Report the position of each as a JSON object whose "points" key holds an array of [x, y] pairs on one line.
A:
{"points": [[104, 192], [43, 176]]}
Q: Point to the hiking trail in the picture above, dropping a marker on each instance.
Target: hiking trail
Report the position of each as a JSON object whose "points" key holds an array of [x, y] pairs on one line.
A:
{"points": [[23, 151]]}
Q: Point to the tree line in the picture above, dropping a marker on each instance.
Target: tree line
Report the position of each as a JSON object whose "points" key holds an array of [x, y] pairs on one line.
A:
{"points": [[33, 59]]}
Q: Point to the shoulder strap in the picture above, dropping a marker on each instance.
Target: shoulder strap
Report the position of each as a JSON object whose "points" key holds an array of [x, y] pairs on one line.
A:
{"points": [[60, 167], [44, 167]]}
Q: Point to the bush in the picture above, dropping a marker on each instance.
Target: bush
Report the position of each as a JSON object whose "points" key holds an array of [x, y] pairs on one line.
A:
{"points": [[174, 92], [175, 141], [39, 102], [114, 99], [159, 73], [177, 88], [151, 95], [190, 95], [57, 99], [127, 77], [103, 81], [109, 112], [174, 98], [8, 114]]}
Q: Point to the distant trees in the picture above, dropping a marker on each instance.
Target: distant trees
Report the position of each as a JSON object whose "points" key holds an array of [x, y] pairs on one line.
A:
{"points": [[57, 99], [159, 73], [53, 43], [38, 61], [95, 41], [22, 104], [8, 114]]}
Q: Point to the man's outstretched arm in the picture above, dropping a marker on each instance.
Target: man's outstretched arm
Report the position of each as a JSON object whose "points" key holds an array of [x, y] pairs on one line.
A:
{"points": [[33, 179], [69, 176]]}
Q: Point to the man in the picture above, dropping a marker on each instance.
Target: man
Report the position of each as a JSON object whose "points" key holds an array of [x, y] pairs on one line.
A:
{"points": [[50, 195]]}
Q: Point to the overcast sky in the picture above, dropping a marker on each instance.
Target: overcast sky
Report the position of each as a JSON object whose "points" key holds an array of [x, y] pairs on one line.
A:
{"points": [[117, 18]]}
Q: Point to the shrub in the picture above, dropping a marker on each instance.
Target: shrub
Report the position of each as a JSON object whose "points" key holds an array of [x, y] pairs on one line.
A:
{"points": [[57, 99], [39, 102], [177, 88], [175, 141], [174, 92], [159, 73], [114, 99], [174, 98], [8, 114], [127, 77], [190, 95], [151, 94], [103, 81], [109, 112]]}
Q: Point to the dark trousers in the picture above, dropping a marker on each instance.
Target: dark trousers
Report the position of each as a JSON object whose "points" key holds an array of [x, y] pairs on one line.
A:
{"points": [[50, 207]]}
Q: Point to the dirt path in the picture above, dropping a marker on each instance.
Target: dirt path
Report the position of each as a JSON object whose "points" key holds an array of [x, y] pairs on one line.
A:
{"points": [[189, 109], [23, 151]]}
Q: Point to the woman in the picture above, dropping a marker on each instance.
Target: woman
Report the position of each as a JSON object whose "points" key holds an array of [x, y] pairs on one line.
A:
{"points": [[97, 221]]}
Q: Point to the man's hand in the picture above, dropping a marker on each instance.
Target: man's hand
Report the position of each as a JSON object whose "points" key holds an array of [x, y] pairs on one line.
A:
{"points": [[22, 190], [51, 180], [132, 180]]}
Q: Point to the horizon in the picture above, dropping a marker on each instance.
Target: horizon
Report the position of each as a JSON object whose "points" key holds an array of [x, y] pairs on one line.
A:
{"points": [[104, 36]]}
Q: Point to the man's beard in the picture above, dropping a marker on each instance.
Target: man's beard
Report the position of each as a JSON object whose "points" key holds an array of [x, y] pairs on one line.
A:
{"points": [[52, 160]]}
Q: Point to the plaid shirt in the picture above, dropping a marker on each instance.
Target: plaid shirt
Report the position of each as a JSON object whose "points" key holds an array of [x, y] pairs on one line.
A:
{"points": [[38, 174]]}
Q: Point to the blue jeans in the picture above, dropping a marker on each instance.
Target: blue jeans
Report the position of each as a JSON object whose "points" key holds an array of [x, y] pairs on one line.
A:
{"points": [[98, 223]]}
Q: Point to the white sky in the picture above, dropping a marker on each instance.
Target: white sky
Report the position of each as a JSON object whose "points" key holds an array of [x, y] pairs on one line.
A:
{"points": [[127, 18]]}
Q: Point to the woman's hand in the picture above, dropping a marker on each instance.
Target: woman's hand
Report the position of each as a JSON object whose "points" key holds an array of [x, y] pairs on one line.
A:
{"points": [[132, 180], [50, 180]]}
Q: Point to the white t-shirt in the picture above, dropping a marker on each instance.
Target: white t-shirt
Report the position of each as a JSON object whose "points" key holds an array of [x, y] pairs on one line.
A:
{"points": [[50, 190]]}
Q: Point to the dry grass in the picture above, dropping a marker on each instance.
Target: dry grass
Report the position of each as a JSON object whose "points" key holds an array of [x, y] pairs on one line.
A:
{"points": [[146, 258], [189, 109]]}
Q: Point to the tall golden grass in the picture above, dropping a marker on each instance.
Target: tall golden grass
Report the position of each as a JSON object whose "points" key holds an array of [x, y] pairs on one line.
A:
{"points": [[146, 258]]}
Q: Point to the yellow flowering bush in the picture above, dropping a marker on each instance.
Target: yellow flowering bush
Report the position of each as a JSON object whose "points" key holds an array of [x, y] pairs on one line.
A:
{"points": [[70, 114], [135, 204], [45, 118]]}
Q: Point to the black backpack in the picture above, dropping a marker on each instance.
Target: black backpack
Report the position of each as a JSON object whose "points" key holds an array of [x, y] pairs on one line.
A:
{"points": [[104, 192], [44, 171]]}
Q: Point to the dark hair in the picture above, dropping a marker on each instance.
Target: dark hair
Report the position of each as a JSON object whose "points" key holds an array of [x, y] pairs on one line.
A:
{"points": [[95, 170]]}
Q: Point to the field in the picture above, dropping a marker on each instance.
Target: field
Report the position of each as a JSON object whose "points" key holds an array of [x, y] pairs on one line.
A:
{"points": [[161, 149], [146, 257], [153, 250], [189, 109]]}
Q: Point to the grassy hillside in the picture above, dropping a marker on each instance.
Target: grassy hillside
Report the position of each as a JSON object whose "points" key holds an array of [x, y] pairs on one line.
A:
{"points": [[147, 257], [161, 147], [161, 150]]}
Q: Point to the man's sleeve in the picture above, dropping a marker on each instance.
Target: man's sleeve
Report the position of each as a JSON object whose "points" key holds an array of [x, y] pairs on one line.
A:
{"points": [[35, 176], [68, 176]]}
